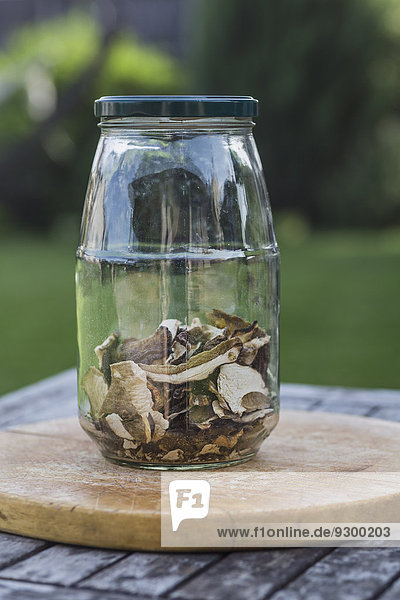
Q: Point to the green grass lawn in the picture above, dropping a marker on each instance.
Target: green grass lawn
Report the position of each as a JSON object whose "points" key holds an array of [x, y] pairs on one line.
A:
{"points": [[340, 310], [37, 310], [339, 319]]}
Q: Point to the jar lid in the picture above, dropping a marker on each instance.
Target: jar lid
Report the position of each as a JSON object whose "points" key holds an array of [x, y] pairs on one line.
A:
{"points": [[176, 106]]}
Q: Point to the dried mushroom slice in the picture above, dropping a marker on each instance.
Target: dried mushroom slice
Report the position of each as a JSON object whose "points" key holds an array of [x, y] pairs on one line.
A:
{"points": [[245, 417], [198, 396], [178, 353], [210, 332], [106, 347], [198, 367], [210, 449], [251, 348], [217, 408], [221, 401], [218, 339], [199, 332], [235, 381], [246, 334], [177, 397], [131, 401], [174, 455], [228, 441], [114, 422], [255, 401], [139, 427], [159, 401], [151, 350], [128, 445], [96, 389], [201, 416], [235, 326], [183, 336], [194, 336], [172, 325], [261, 362], [249, 417], [128, 394], [106, 354], [160, 425], [223, 320], [195, 323], [173, 416]]}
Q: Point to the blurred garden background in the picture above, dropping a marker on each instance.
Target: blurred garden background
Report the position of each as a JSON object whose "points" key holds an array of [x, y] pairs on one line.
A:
{"points": [[327, 75]]}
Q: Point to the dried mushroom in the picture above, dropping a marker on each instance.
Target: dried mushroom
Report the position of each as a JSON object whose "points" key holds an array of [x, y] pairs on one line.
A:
{"points": [[160, 425], [96, 389], [261, 363], [139, 426], [198, 367], [172, 325], [201, 416], [210, 449], [255, 401], [251, 348], [128, 393], [109, 344], [204, 331], [159, 401], [231, 323], [114, 422], [218, 409], [253, 415], [106, 354], [235, 382], [186, 394], [173, 455], [179, 351], [152, 350]]}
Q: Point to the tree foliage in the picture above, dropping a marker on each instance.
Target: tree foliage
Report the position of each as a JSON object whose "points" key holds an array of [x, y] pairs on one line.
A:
{"points": [[327, 74], [50, 74]]}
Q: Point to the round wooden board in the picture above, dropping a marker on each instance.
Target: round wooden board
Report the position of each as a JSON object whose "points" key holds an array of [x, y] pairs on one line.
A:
{"points": [[55, 485]]}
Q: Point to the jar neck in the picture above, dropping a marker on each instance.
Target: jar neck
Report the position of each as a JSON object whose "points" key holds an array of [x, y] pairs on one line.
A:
{"points": [[175, 123]]}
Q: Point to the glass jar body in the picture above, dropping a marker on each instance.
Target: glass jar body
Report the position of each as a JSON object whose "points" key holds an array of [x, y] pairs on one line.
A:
{"points": [[177, 295]]}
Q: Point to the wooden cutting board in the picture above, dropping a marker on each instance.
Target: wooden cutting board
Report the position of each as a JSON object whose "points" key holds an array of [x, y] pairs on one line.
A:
{"points": [[55, 485]]}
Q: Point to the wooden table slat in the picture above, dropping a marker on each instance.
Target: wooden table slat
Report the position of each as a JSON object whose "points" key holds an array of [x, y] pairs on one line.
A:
{"points": [[388, 413], [61, 564], [392, 591], [16, 547], [150, 573], [332, 394], [361, 409], [249, 574], [24, 590], [351, 573], [49, 399]]}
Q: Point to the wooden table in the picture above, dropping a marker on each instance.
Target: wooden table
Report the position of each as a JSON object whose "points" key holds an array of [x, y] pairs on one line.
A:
{"points": [[34, 569]]}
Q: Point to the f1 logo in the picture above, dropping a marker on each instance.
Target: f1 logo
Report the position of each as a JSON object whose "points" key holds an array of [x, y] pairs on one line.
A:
{"points": [[189, 499]]}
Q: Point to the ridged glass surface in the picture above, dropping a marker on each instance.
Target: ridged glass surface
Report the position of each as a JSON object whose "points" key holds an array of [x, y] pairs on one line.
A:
{"points": [[178, 296]]}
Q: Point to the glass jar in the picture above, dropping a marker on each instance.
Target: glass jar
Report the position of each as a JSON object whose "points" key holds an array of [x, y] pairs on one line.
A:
{"points": [[177, 285]]}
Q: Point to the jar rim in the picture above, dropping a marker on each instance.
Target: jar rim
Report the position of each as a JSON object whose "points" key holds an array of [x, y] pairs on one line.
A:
{"points": [[176, 106]]}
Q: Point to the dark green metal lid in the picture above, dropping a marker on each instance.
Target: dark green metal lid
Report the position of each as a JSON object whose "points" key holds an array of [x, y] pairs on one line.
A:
{"points": [[176, 106]]}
